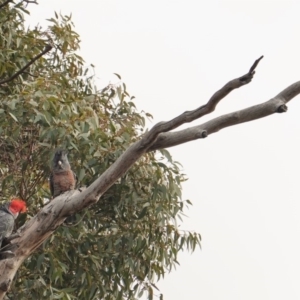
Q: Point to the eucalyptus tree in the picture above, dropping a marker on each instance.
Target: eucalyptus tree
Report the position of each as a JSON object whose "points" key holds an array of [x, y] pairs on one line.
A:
{"points": [[123, 235]]}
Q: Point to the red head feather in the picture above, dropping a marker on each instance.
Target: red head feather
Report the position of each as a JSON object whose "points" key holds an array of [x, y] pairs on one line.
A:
{"points": [[17, 205]]}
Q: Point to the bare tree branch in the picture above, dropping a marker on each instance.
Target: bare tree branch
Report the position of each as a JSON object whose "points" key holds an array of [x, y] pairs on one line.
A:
{"points": [[47, 49], [255, 65], [276, 104], [210, 106]]}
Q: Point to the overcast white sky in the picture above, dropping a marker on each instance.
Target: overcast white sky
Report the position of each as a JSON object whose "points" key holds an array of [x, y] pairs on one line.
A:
{"points": [[244, 180]]}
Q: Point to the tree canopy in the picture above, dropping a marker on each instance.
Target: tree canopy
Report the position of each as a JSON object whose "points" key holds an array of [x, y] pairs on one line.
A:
{"points": [[119, 247]]}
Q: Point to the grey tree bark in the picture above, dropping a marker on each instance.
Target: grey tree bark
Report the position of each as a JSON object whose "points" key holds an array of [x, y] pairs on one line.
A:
{"points": [[41, 226]]}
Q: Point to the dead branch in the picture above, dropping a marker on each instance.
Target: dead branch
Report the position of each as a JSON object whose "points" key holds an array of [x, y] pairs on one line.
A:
{"points": [[255, 65], [210, 106], [274, 105]]}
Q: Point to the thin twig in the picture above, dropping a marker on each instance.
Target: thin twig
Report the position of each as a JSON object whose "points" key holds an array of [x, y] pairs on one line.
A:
{"points": [[28, 1], [47, 49], [255, 64], [205, 109], [28, 73]]}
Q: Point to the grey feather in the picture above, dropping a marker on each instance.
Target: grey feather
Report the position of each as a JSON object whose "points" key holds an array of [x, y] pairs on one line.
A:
{"points": [[7, 221]]}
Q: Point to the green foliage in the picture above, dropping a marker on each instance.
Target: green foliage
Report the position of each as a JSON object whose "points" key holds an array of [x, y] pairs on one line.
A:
{"points": [[122, 245]]}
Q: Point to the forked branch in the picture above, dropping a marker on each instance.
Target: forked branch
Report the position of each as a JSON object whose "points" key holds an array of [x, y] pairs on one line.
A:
{"points": [[208, 108], [274, 105]]}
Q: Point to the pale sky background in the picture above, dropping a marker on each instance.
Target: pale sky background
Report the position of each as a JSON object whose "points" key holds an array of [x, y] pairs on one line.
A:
{"points": [[244, 180]]}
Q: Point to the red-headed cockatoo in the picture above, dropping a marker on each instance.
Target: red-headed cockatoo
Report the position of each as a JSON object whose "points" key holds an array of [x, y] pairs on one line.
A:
{"points": [[9, 211]]}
